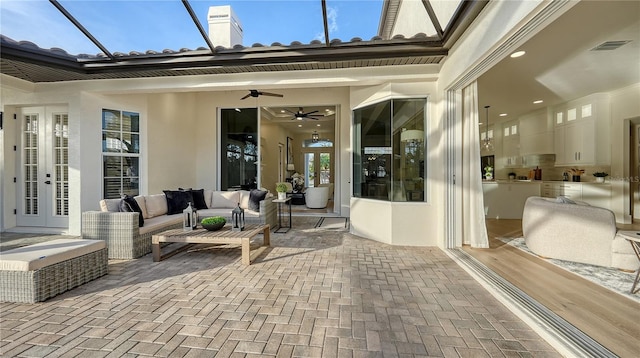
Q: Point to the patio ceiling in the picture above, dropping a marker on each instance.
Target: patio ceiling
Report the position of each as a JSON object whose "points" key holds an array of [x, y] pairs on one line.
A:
{"points": [[28, 61]]}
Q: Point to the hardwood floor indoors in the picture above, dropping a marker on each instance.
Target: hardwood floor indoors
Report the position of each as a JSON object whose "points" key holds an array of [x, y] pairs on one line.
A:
{"points": [[609, 318]]}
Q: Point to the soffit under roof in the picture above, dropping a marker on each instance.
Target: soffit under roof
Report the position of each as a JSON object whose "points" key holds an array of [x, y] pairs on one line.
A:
{"points": [[27, 61]]}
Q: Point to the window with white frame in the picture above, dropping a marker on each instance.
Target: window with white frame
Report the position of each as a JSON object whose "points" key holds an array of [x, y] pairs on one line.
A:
{"points": [[120, 153]]}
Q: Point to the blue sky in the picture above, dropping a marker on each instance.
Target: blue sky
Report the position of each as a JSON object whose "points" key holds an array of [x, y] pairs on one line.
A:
{"points": [[124, 26]]}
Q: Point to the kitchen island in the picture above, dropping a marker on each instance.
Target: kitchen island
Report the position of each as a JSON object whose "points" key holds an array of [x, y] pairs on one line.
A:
{"points": [[504, 199]]}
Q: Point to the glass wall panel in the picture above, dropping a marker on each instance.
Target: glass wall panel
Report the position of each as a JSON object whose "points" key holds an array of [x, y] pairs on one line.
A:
{"points": [[239, 148], [389, 150], [373, 151]]}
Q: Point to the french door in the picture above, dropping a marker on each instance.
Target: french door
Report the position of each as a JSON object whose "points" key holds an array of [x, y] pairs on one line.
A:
{"points": [[317, 168], [43, 167]]}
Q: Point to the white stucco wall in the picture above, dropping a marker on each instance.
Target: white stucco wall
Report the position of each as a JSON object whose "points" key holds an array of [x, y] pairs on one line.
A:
{"points": [[403, 223]]}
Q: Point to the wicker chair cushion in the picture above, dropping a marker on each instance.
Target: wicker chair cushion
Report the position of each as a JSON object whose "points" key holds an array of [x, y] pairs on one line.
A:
{"points": [[37, 256], [163, 221], [110, 205]]}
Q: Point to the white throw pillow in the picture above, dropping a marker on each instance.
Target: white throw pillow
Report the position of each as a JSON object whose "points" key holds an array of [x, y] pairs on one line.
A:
{"points": [[564, 200], [244, 199], [143, 205], [224, 199], [156, 205], [207, 197]]}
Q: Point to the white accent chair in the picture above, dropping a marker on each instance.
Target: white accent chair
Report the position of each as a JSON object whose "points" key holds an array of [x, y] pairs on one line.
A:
{"points": [[559, 229], [317, 197]]}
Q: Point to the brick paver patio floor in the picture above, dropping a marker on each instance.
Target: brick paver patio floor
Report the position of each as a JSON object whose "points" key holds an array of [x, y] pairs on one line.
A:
{"points": [[314, 293]]}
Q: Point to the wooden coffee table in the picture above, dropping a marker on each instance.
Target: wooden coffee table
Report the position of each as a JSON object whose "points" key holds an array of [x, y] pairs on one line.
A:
{"points": [[202, 236]]}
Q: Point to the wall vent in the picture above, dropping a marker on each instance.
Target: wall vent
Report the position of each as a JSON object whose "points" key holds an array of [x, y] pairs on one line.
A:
{"points": [[610, 45]]}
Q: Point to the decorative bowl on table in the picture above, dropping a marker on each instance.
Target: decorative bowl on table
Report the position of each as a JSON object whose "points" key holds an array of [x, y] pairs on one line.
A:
{"points": [[213, 223]]}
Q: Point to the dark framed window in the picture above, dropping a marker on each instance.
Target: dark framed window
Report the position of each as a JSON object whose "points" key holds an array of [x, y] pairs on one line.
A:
{"points": [[389, 150], [239, 148], [120, 153]]}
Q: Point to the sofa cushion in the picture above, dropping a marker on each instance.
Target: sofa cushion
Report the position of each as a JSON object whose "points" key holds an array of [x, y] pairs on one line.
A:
{"points": [[255, 197], [207, 197], [129, 204], [110, 205], [177, 200], [224, 199], [156, 205], [198, 199], [143, 205]]}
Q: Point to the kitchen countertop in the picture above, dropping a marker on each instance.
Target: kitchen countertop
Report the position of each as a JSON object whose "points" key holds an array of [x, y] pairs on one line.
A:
{"points": [[528, 181]]}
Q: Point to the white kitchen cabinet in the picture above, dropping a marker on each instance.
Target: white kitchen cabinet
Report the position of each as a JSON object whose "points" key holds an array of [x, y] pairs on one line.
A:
{"points": [[570, 190], [581, 134], [595, 194], [536, 133], [511, 145], [575, 143]]}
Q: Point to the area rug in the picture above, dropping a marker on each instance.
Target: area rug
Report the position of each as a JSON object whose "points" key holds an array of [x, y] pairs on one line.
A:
{"points": [[610, 278], [333, 223]]}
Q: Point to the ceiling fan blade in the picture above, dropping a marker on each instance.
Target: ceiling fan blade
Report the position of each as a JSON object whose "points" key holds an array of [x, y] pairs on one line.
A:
{"points": [[271, 94], [247, 96], [308, 113]]}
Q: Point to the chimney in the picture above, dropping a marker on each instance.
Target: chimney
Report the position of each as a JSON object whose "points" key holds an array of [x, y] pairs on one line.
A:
{"points": [[224, 27]]}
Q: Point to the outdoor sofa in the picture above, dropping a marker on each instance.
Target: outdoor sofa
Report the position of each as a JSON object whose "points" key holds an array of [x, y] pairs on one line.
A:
{"points": [[128, 236]]}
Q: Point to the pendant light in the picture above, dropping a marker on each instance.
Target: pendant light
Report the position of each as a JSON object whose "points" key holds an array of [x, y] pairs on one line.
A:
{"points": [[487, 143], [315, 137]]}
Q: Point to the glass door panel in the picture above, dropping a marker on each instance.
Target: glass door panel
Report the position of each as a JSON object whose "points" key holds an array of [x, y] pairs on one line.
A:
{"points": [[309, 170], [317, 168]]}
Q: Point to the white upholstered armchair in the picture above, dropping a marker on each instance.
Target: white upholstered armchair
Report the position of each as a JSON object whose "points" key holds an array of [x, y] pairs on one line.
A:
{"points": [[317, 197]]}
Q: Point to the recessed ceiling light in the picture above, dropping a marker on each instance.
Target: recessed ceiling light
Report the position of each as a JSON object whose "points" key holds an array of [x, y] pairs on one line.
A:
{"points": [[503, 114], [282, 111], [318, 125], [517, 54], [299, 125], [538, 101]]}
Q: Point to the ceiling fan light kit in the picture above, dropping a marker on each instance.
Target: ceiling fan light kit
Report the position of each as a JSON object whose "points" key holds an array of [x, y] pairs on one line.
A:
{"points": [[300, 114]]}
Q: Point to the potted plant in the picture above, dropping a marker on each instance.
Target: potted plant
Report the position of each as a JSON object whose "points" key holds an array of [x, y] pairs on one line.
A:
{"points": [[600, 176], [281, 188], [488, 172], [213, 223]]}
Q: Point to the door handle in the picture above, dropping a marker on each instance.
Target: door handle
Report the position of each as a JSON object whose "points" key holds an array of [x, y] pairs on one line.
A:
{"points": [[48, 182]]}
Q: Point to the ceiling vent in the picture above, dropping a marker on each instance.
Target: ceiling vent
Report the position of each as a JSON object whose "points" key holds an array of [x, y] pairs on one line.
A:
{"points": [[610, 45]]}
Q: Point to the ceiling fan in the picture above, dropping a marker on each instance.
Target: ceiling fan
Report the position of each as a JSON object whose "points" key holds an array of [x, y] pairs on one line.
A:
{"points": [[256, 93], [300, 114]]}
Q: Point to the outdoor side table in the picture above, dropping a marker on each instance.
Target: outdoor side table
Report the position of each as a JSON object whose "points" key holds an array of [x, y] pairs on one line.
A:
{"points": [[634, 239], [283, 229]]}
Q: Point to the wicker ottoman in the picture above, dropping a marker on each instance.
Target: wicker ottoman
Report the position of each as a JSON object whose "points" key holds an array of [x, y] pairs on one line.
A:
{"points": [[37, 272]]}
